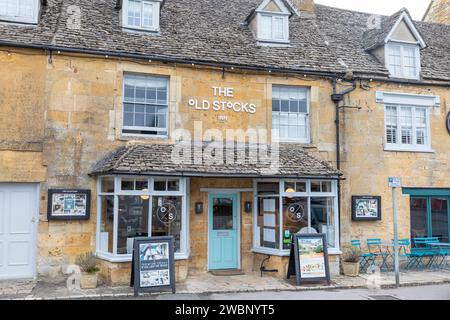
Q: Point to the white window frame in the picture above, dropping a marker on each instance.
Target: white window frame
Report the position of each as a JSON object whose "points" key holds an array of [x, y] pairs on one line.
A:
{"points": [[156, 13], [308, 194], [34, 20], [399, 146], [307, 139], [402, 46], [399, 100], [183, 254], [273, 16], [138, 128]]}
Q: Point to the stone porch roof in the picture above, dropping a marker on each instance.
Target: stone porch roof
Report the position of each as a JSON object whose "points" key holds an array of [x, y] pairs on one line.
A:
{"points": [[156, 159]]}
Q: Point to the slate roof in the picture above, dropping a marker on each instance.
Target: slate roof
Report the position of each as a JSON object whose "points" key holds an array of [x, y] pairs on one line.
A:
{"points": [[155, 159], [214, 31]]}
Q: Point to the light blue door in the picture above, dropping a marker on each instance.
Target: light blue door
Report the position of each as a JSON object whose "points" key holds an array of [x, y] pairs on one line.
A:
{"points": [[223, 232]]}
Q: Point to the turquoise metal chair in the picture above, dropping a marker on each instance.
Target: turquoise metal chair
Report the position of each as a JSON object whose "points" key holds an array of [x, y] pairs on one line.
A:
{"points": [[374, 245], [366, 259], [422, 251]]}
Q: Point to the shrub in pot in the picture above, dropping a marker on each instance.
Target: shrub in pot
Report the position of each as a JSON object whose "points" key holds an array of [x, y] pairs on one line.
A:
{"points": [[89, 270], [350, 261]]}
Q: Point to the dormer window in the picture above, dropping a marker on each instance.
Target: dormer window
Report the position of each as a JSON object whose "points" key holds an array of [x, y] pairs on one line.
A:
{"points": [[270, 22], [22, 11], [141, 14], [273, 27], [403, 60]]}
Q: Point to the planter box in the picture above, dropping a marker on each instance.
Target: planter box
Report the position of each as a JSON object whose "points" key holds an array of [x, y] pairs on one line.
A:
{"points": [[88, 280], [350, 269]]}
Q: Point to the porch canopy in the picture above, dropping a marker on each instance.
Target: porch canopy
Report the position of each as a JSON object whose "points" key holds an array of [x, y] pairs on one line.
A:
{"points": [[205, 160]]}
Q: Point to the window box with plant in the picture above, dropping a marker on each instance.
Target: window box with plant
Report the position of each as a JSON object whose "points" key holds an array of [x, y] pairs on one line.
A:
{"points": [[89, 270]]}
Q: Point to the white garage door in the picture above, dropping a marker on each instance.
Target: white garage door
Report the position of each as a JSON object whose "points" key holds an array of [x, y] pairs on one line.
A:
{"points": [[18, 218]]}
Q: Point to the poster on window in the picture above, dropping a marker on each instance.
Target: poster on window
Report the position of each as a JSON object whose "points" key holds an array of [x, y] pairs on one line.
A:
{"points": [[309, 258], [366, 208], [68, 204], [153, 264]]}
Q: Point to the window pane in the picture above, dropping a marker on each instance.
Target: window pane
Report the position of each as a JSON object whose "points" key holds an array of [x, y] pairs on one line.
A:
{"points": [[268, 222], [173, 185], [406, 123], [127, 184], [300, 187], [394, 60], [160, 185], [323, 219], [106, 224], [147, 15], [222, 214], [134, 13], [289, 187], [278, 28], [266, 27], [107, 185], [419, 225], [439, 218], [315, 186], [166, 218], [141, 184], [295, 218], [133, 222]]}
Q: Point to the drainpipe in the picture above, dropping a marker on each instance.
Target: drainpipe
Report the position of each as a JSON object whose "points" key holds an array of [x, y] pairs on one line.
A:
{"points": [[337, 98]]}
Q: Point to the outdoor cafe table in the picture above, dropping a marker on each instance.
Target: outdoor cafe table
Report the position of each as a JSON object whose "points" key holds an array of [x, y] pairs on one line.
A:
{"points": [[442, 245]]}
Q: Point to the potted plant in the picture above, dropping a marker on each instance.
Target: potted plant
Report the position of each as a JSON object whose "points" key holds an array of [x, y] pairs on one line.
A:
{"points": [[89, 268], [350, 261]]}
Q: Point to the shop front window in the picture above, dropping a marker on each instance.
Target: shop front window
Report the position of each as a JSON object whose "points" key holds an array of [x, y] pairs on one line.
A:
{"points": [[294, 206], [135, 207], [430, 217]]}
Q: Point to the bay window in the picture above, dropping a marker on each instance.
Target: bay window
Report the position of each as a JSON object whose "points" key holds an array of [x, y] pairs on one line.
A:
{"points": [[132, 207], [25, 11], [286, 207]]}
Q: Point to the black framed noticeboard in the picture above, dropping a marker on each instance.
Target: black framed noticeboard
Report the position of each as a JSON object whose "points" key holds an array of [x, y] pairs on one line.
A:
{"points": [[69, 204], [153, 265], [308, 260], [366, 208]]}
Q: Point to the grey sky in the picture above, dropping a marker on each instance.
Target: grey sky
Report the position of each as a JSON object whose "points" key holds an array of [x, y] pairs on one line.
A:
{"points": [[417, 8]]}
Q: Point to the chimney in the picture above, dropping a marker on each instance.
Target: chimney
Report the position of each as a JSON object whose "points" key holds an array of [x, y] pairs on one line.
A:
{"points": [[304, 5]]}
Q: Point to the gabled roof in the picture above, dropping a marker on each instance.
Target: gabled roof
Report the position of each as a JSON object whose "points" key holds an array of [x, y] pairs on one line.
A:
{"points": [[285, 6], [381, 33], [155, 159], [327, 41]]}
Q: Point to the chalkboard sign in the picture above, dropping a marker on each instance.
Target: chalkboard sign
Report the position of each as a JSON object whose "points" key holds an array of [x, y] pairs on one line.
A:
{"points": [[153, 266], [308, 260]]}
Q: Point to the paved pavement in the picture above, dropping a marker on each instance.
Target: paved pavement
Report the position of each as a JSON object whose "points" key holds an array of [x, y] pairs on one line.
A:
{"points": [[208, 286]]}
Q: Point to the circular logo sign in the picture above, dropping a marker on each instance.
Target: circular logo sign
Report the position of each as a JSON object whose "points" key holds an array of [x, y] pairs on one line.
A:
{"points": [[166, 213], [448, 122], [296, 212]]}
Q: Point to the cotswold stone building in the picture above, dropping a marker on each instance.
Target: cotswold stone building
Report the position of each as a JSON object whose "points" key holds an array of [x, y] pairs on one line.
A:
{"points": [[96, 95], [438, 12]]}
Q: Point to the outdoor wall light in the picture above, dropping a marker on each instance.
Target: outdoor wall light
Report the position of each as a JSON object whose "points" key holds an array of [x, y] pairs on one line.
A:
{"points": [[248, 207], [199, 207]]}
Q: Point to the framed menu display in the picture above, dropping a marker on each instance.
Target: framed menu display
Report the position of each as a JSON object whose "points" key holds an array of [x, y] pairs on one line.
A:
{"points": [[69, 204], [366, 208], [308, 260], [153, 265]]}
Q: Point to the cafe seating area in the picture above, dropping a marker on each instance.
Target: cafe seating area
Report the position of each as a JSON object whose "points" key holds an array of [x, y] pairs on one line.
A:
{"points": [[414, 254]]}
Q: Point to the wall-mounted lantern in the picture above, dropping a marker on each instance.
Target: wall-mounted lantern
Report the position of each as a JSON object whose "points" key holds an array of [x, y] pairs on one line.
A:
{"points": [[199, 207], [248, 207]]}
